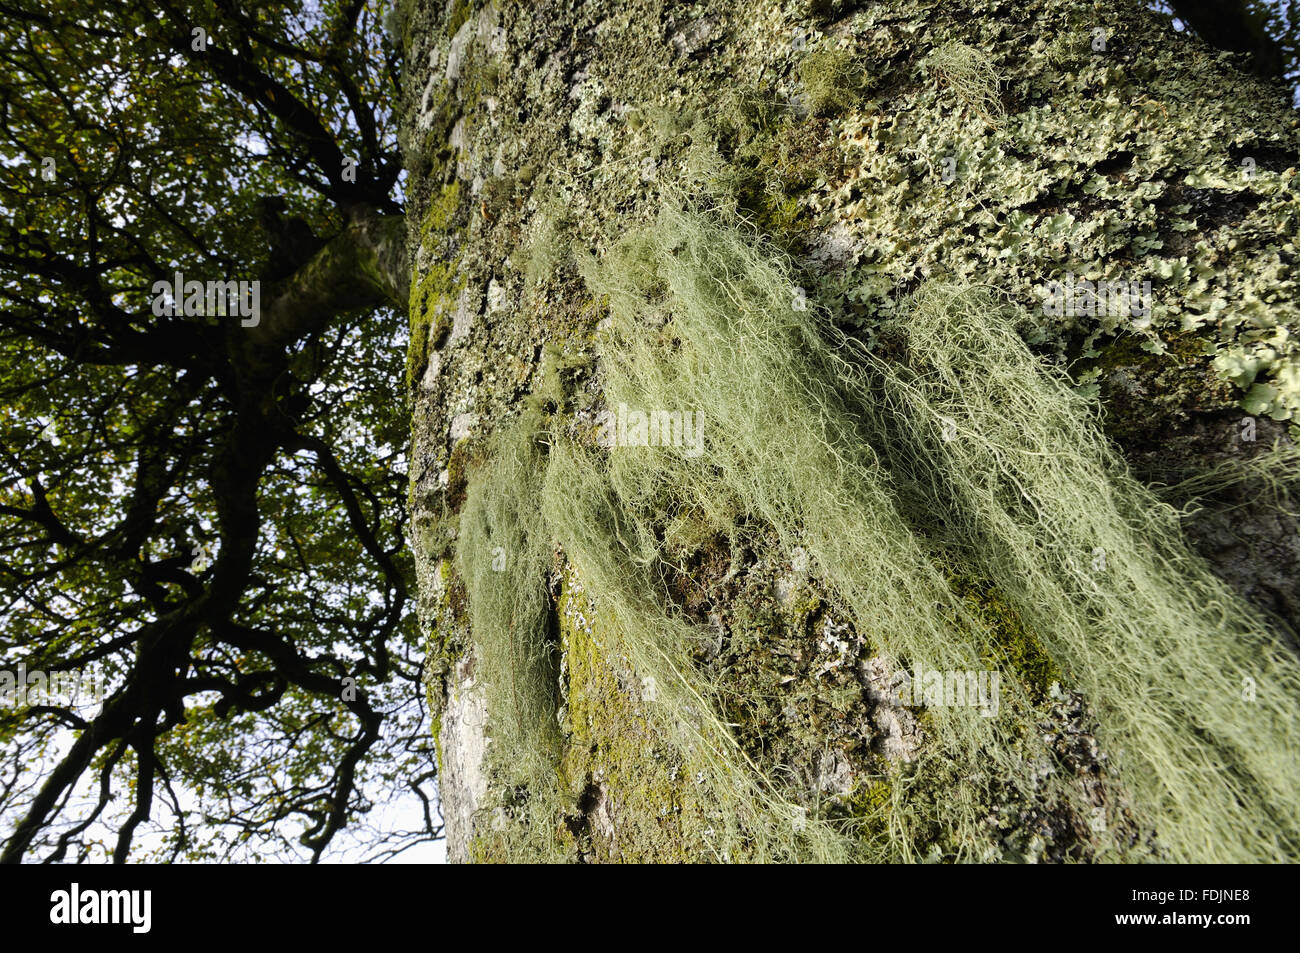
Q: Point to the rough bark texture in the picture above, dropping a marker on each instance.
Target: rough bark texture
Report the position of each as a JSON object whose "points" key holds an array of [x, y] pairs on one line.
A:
{"points": [[541, 129]]}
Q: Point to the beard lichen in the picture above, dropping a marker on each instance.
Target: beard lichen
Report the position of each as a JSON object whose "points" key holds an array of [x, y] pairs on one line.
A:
{"points": [[946, 454]]}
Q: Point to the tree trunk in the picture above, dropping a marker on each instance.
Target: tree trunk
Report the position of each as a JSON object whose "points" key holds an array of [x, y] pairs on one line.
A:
{"points": [[877, 149]]}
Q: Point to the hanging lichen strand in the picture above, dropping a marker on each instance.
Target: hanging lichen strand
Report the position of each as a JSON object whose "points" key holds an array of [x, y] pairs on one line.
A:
{"points": [[503, 556], [1196, 696], [782, 441], [946, 451]]}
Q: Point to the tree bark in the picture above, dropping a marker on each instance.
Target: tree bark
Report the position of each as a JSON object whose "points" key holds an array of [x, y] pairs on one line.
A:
{"points": [[1107, 145]]}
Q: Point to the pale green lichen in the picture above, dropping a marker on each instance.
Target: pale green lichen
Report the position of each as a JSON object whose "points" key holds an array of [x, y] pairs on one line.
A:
{"points": [[832, 80], [1152, 190], [969, 74], [503, 555], [851, 446]]}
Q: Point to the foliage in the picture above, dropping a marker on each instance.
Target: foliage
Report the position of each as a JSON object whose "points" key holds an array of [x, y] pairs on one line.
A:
{"points": [[206, 515]]}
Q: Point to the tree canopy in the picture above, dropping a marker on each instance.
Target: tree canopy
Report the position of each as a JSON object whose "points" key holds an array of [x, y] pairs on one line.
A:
{"points": [[204, 514]]}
